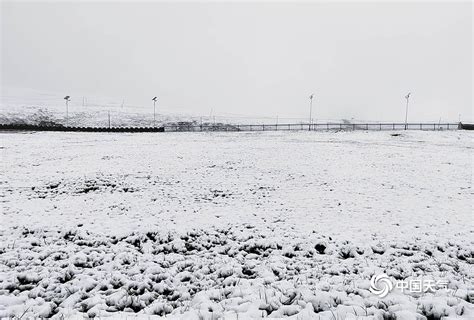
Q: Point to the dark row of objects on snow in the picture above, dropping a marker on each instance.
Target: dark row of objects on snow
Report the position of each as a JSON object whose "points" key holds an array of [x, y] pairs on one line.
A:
{"points": [[466, 126], [32, 127]]}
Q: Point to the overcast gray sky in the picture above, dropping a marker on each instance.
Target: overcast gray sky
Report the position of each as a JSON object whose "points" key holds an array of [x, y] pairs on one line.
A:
{"points": [[360, 59]]}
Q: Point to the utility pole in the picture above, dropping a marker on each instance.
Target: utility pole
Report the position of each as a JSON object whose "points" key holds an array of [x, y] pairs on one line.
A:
{"points": [[154, 110], [67, 98], [406, 111], [310, 109]]}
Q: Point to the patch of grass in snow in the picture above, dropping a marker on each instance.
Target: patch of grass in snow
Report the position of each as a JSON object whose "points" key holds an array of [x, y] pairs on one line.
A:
{"points": [[219, 270]]}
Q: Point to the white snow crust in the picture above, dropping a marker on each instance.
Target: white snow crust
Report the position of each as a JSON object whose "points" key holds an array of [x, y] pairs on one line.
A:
{"points": [[234, 225]]}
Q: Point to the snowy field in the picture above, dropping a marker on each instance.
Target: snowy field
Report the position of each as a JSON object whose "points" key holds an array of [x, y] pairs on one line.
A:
{"points": [[235, 225]]}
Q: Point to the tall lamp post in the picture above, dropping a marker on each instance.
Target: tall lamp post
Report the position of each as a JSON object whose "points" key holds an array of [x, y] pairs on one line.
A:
{"points": [[310, 109], [154, 110], [407, 97], [67, 98]]}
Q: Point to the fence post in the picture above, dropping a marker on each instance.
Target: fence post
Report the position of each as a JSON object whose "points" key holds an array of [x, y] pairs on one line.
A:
{"points": [[434, 126], [447, 126], [263, 127], [340, 126], [380, 127], [393, 125]]}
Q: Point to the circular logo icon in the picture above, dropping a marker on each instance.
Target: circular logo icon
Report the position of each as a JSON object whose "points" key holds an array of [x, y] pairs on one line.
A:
{"points": [[381, 285]]}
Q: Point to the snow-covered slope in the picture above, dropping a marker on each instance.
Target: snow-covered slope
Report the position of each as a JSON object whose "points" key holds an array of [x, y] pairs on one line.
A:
{"points": [[21, 105], [235, 225]]}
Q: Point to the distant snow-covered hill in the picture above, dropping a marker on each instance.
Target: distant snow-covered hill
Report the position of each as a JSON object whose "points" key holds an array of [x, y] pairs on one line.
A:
{"points": [[30, 106]]}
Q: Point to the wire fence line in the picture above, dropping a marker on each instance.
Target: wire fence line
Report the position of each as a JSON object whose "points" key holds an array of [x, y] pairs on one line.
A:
{"points": [[205, 127], [190, 127]]}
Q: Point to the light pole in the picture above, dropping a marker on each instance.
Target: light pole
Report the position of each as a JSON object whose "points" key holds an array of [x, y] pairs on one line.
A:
{"points": [[406, 111], [154, 110], [67, 98], [310, 109]]}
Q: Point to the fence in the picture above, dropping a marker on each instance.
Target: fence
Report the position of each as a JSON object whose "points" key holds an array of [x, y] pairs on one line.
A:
{"points": [[190, 127]]}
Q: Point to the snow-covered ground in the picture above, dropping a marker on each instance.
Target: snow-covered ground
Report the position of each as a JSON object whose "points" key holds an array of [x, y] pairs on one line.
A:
{"points": [[235, 225]]}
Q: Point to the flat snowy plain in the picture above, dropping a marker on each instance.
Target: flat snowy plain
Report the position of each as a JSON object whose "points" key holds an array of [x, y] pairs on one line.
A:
{"points": [[235, 225]]}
